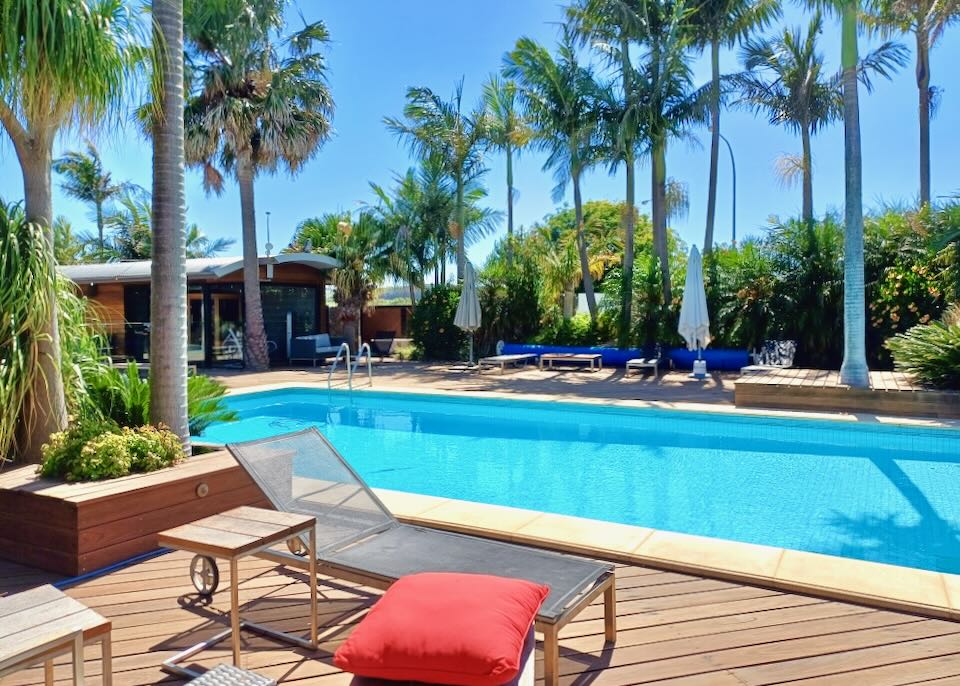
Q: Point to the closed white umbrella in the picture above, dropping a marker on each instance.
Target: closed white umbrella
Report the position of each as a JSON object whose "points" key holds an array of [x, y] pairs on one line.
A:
{"points": [[694, 319], [468, 310]]}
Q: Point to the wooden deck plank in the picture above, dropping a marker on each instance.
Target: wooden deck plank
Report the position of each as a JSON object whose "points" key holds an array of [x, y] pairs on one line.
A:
{"points": [[675, 629]]}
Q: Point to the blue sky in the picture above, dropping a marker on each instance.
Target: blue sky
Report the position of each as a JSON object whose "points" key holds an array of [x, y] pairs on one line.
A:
{"points": [[380, 48]]}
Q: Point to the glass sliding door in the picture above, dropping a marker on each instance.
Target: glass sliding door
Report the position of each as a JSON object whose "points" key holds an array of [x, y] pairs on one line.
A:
{"points": [[227, 326], [196, 329]]}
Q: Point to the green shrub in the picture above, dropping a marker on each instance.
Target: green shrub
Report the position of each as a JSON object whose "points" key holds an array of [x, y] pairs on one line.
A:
{"points": [[152, 448], [578, 330], [206, 403], [123, 397], [931, 352], [92, 451], [63, 449], [434, 334], [106, 456]]}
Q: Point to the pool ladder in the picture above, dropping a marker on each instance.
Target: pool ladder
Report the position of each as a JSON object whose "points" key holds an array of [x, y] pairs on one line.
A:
{"points": [[344, 354]]}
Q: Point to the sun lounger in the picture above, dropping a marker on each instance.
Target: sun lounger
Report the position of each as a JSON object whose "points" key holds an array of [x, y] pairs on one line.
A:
{"points": [[641, 363], [359, 540], [503, 360]]}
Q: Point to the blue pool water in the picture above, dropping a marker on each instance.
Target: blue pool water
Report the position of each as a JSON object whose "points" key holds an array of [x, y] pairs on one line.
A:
{"points": [[874, 492]]}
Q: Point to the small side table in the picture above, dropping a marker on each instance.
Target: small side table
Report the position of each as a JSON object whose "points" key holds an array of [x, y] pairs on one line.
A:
{"points": [[231, 536]]}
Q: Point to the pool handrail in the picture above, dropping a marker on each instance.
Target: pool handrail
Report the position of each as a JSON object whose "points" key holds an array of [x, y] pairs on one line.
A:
{"points": [[343, 353]]}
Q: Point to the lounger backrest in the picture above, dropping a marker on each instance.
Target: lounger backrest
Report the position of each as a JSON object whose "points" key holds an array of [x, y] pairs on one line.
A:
{"points": [[302, 472]]}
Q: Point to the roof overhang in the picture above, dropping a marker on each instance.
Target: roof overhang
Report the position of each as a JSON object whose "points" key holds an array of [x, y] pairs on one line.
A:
{"points": [[307, 259]]}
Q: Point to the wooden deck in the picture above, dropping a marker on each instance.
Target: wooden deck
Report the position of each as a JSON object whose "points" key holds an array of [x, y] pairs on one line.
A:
{"points": [[890, 393], [673, 629]]}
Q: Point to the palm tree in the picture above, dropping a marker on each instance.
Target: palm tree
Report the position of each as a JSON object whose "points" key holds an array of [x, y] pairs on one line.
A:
{"points": [[612, 25], [926, 20], [254, 110], [786, 79], [561, 97], [69, 247], [132, 233], [507, 130], [168, 271], [363, 248], [199, 244], [59, 68], [441, 128], [670, 107], [87, 181], [723, 23]]}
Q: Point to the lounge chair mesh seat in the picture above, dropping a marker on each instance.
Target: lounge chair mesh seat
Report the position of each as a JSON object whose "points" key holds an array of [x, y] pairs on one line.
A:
{"points": [[303, 473]]}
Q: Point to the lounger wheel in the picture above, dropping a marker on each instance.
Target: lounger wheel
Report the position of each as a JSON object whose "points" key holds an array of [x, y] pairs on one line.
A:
{"points": [[296, 546], [204, 574]]}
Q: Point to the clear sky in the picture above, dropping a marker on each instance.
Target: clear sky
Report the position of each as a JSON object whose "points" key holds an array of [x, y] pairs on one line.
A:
{"points": [[380, 48]]}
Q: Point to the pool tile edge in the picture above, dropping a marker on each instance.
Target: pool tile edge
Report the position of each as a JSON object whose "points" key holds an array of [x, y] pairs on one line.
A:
{"points": [[837, 578]]}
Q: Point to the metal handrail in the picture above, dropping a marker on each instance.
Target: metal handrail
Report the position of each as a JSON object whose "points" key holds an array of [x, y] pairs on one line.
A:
{"points": [[356, 362], [343, 353]]}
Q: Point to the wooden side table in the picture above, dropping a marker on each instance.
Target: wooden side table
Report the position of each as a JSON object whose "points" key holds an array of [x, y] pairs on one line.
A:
{"points": [[42, 623], [231, 536]]}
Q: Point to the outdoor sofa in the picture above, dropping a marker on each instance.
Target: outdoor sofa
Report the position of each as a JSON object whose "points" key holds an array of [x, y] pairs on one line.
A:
{"points": [[359, 539], [314, 348]]}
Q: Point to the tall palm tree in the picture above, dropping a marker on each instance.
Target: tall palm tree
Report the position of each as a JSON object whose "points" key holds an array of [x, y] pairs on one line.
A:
{"points": [[86, 180], [261, 103], [926, 20], [723, 23], [441, 128], [168, 270], [562, 99], [59, 68], [612, 25], [508, 131], [670, 106], [787, 80]]}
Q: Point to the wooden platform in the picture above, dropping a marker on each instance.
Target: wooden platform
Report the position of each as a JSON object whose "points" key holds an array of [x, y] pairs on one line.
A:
{"points": [[890, 393], [76, 528], [675, 630]]}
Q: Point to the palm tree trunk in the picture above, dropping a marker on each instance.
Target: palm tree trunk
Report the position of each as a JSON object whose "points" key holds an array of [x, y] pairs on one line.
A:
{"points": [[168, 271], [582, 249], [807, 211], [923, 85], [100, 228], [853, 371], [659, 210], [46, 408], [626, 302], [461, 233], [255, 355], [714, 144], [509, 150]]}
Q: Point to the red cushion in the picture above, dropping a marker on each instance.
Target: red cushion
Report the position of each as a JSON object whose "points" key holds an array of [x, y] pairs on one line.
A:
{"points": [[466, 629]]}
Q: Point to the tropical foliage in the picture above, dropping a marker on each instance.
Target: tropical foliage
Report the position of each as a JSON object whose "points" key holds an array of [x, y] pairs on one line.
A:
{"points": [[931, 352], [259, 103], [455, 138]]}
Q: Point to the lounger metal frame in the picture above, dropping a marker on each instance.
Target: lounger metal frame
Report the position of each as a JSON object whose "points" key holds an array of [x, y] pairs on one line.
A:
{"points": [[575, 600]]}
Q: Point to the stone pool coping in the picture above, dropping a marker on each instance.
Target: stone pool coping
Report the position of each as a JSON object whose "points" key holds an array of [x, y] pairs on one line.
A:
{"points": [[714, 408], [891, 587]]}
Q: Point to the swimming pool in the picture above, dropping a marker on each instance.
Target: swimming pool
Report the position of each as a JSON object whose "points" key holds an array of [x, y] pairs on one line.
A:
{"points": [[869, 491]]}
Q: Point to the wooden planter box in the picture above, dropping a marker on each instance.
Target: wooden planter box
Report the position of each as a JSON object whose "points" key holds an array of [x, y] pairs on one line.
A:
{"points": [[76, 528]]}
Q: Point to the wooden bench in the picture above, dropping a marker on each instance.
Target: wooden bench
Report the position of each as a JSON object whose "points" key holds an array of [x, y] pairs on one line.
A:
{"points": [[42, 623]]}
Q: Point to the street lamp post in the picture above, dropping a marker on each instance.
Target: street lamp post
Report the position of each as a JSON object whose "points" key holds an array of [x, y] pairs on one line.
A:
{"points": [[733, 166]]}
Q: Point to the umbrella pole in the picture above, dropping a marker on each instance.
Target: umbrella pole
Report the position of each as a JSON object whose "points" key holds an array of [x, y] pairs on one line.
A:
{"points": [[471, 348]]}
